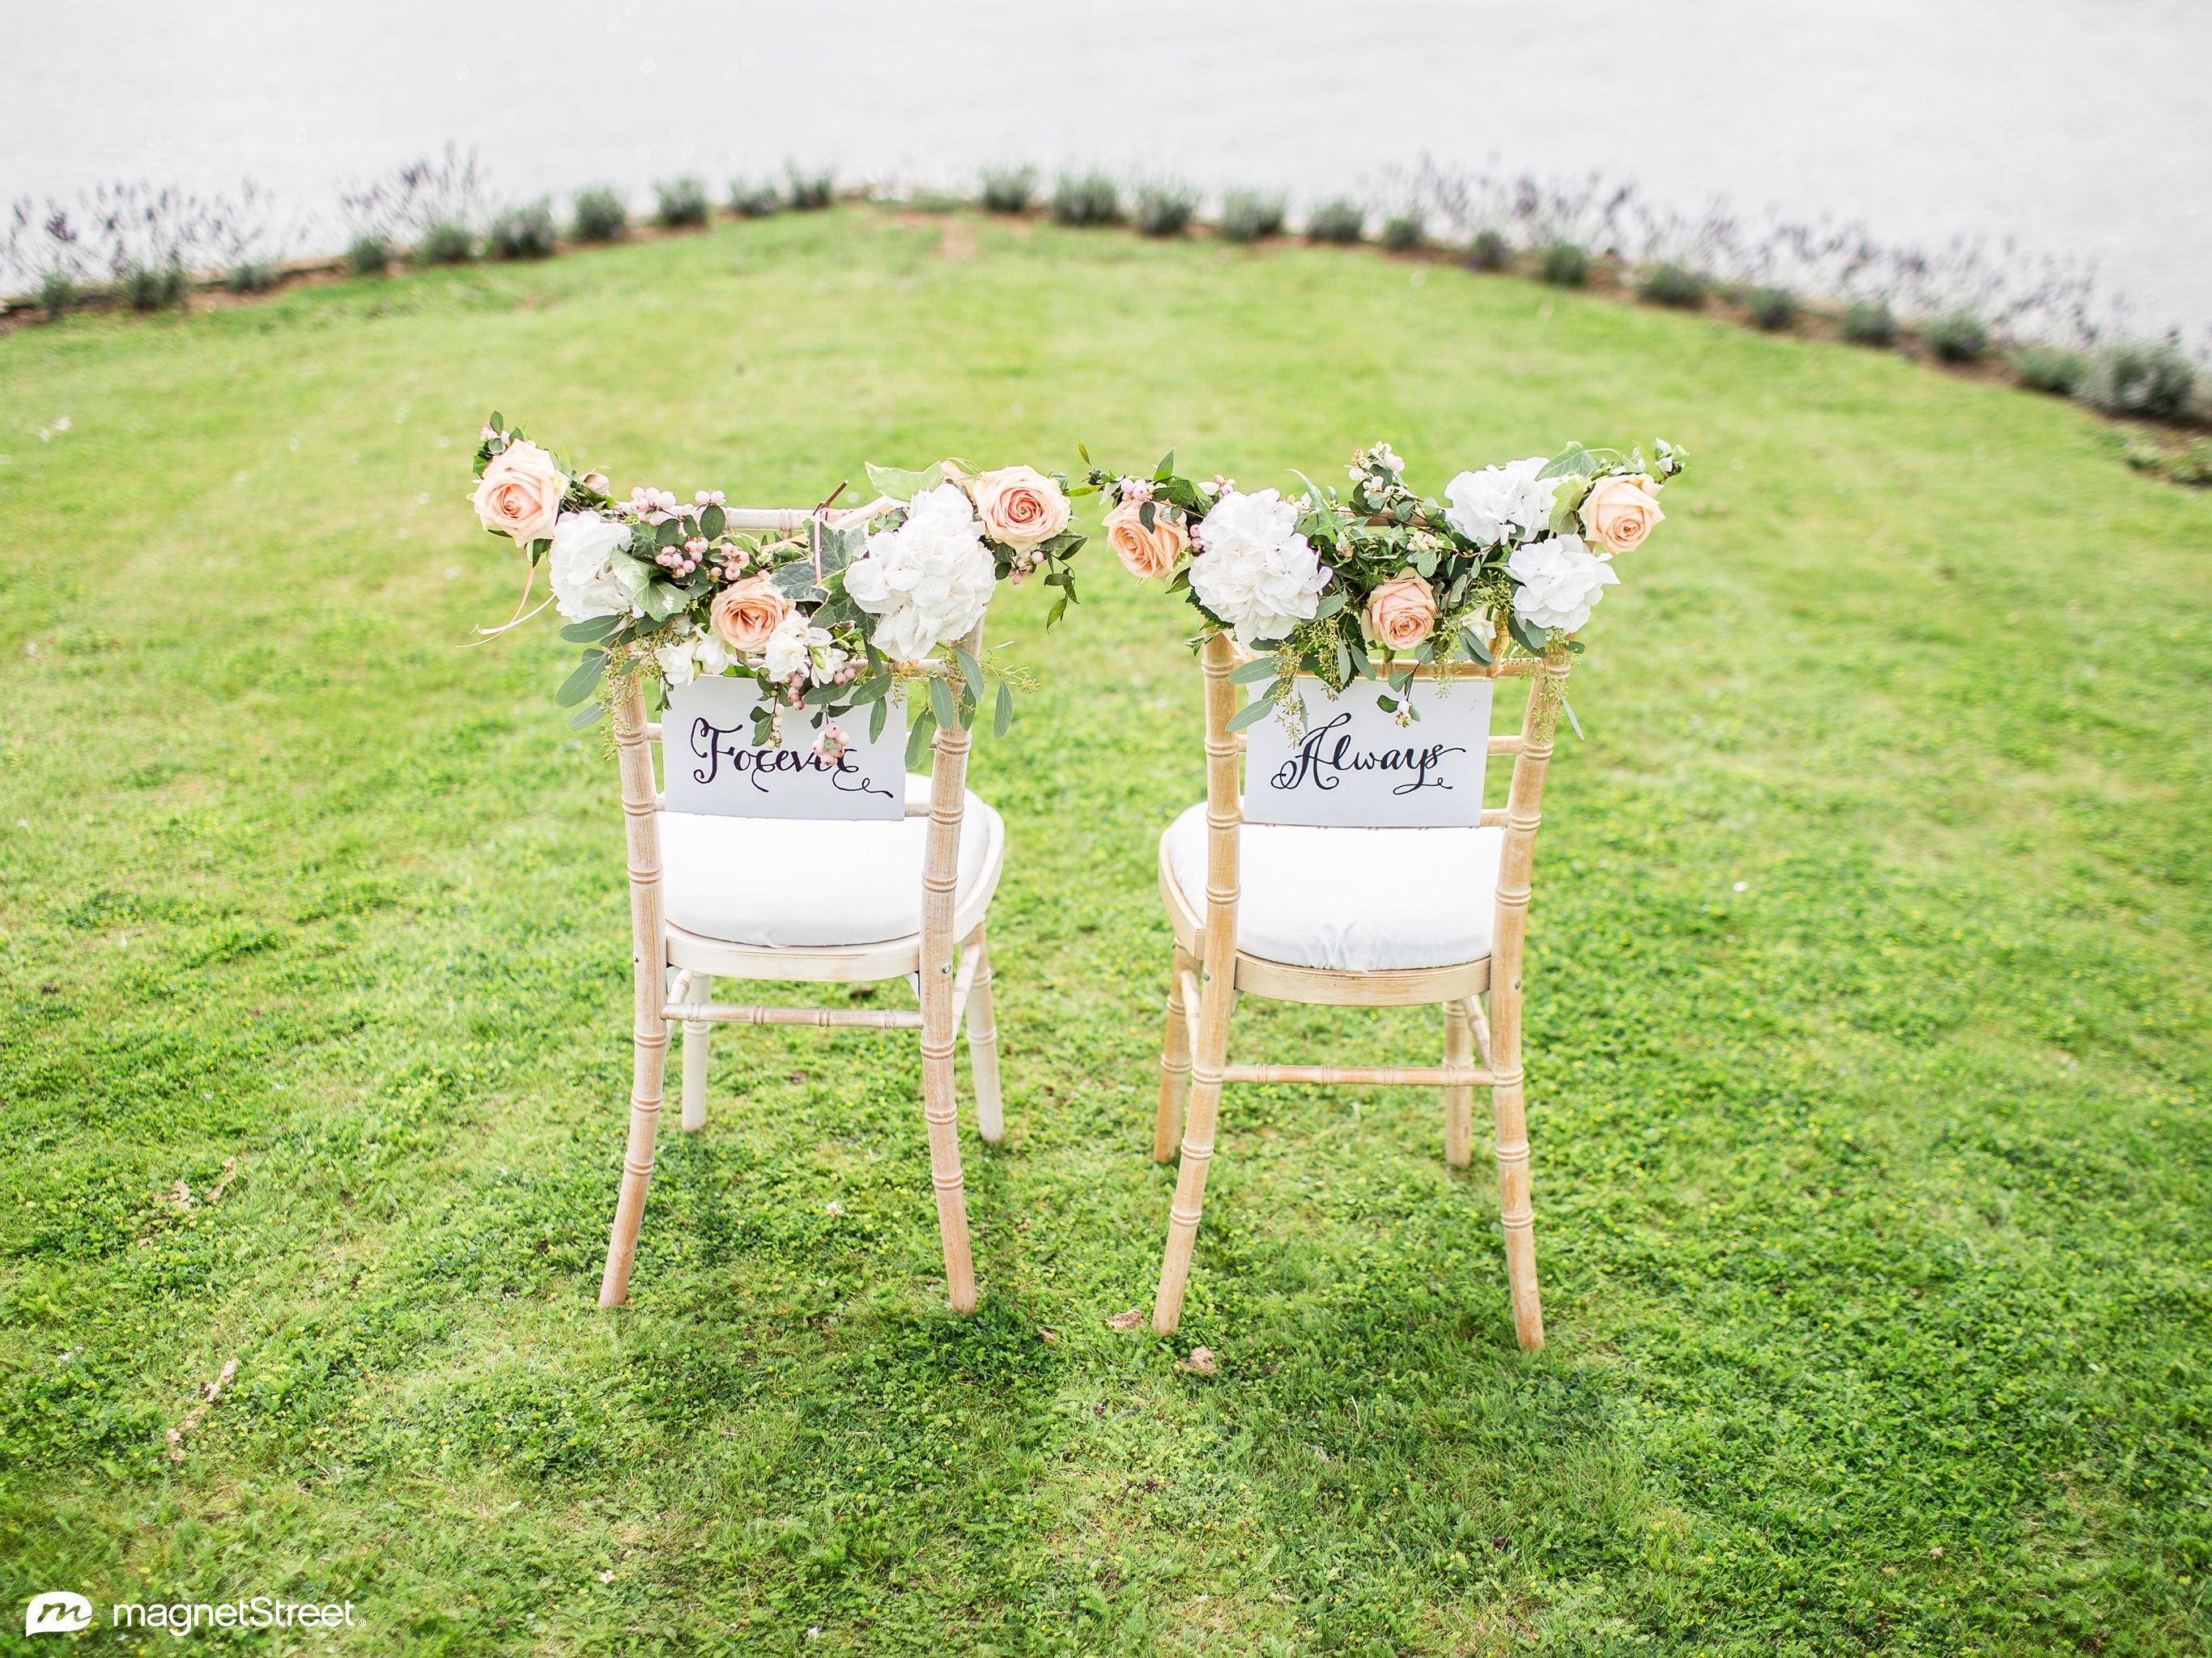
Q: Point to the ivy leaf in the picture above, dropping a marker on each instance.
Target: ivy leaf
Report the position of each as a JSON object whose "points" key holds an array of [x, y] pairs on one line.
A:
{"points": [[1573, 461], [1567, 504], [904, 486], [971, 671], [1165, 470], [940, 700], [794, 580], [663, 599], [840, 547], [1003, 716]]}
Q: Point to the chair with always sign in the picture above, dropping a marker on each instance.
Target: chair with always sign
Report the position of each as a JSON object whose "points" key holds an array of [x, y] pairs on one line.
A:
{"points": [[816, 900], [1354, 917]]}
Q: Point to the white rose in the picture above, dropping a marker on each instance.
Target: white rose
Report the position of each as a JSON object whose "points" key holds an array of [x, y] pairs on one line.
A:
{"points": [[588, 581], [1253, 570], [1489, 506], [929, 580], [692, 653], [797, 647], [1561, 582]]}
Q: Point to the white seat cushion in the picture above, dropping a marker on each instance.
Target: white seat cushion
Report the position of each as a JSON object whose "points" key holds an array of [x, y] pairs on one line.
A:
{"points": [[787, 883], [1353, 900]]}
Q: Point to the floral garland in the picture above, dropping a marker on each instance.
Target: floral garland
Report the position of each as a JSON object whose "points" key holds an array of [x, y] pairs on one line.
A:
{"points": [[1374, 585], [827, 622]]}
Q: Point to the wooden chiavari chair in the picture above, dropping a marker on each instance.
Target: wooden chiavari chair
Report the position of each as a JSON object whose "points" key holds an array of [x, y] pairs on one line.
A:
{"points": [[1213, 967], [700, 910]]}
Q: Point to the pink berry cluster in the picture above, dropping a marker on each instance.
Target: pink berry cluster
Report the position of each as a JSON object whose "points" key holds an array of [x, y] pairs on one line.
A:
{"points": [[729, 558]]}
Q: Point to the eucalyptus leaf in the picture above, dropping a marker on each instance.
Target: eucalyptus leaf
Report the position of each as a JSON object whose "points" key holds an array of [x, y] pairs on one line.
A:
{"points": [[1251, 713], [1531, 641], [1003, 716], [585, 718], [591, 631], [1252, 672], [940, 700], [971, 671], [583, 679], [917, 740]]}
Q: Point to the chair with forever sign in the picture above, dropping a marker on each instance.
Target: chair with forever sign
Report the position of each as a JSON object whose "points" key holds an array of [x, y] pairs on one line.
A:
{"points": [[813, 899]]}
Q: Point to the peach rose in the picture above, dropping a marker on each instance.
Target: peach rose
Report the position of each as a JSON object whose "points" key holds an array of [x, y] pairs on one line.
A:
{"points": [[1401, 613], [1020, 506], [1619, 512], [520, 494], [746, 612], [1146, 552]]}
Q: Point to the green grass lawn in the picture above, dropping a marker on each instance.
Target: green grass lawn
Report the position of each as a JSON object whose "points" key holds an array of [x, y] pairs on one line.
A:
{"points": [[1868, 1020]]}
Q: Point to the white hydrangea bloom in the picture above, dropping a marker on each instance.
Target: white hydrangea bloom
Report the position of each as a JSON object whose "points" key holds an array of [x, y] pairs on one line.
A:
{"points": [[1561, 582], [1253, 570], [927, 581], [1490, 505], [587, 579]]}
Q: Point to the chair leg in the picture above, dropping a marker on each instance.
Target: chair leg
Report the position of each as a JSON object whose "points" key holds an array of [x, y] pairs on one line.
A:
{"points": [[940, 1113], [1458, 1102], [1200, 1113], [648, 1066], [1515, 1210], [701, 989], [1175, 1062], [983, 1046]]}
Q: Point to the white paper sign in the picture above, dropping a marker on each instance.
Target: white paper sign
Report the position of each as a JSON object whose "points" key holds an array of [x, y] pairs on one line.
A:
{"points": [[1355, 765], [711, 764]]}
